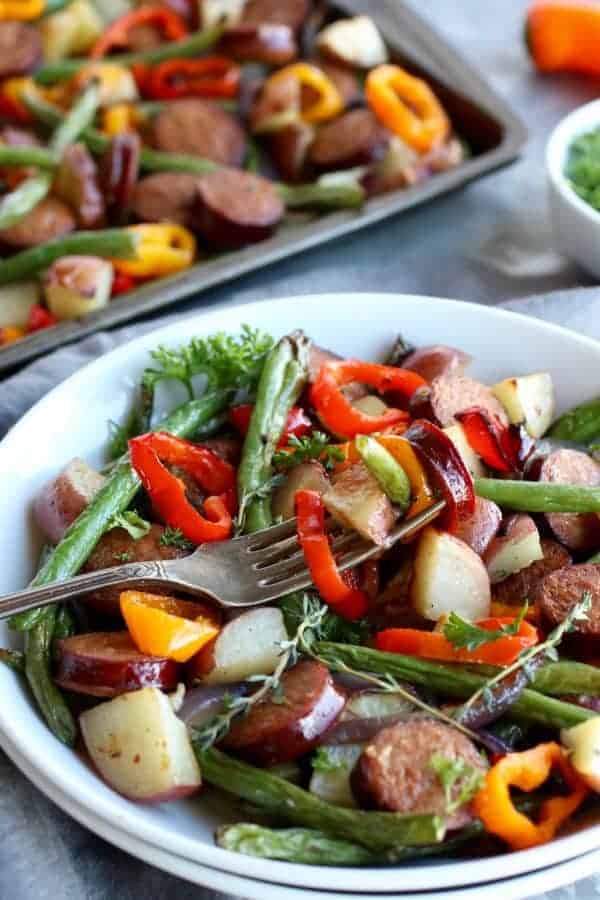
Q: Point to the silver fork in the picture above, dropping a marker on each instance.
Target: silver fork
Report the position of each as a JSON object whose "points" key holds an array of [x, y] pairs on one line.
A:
{"points": [[244, 572]]}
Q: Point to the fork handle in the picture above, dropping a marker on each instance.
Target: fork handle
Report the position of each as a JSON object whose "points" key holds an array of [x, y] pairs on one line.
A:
{"points": [[127, 575]]}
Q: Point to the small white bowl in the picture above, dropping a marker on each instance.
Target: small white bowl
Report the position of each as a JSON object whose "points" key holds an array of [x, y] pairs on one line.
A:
{"points": [[576, 224]]}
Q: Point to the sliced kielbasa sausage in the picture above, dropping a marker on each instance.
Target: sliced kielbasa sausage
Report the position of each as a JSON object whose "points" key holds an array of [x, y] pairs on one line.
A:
{"points": [[277, 731], [480, 528], [353, 139], [452, 394], [525, 585], [345, 81], [435, 361], [77, 184], [289, 149], [105, 664], [236, 208], [117, 547], [276, 12], [20, 48], [201, 129], [51, 218], [274, 45], [578, 532], [562, 589], [118, 174], [166, 197], [395, 771]]}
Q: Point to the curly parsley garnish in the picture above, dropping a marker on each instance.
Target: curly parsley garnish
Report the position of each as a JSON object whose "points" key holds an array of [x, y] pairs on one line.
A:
{"points": [[456, 773], [463, 634], [174, 537], [134, 525], [308, 447]]}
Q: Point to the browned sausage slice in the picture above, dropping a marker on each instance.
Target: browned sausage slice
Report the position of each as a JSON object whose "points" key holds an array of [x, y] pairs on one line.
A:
{"points": [[51, 218], [289, 149], [105, 664], [275, 732], [452, 394], [561, 590], [274, 45], [276, 12], [277, 102], [116, 547], [166, 197], [436, 360], [578, 532], [345, 81], [525, 585], [20, 48], [395, 770], [201, 129], [228, 448], [482, 525], [77, 184], [353, 139], [118, 173], [236, 208]]}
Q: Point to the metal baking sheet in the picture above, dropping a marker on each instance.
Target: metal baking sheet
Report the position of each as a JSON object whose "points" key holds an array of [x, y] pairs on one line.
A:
{"points": [[479, 114]]}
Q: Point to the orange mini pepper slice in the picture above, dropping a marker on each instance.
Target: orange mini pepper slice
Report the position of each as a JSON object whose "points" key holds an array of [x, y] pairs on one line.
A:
{"points": [[407, 106], [435, 645], [166, 626], [329, 102], [404, 454], [527, 771]]}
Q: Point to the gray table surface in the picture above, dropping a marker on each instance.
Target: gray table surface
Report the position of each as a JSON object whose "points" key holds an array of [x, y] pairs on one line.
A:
{"points": [[490, 243]]}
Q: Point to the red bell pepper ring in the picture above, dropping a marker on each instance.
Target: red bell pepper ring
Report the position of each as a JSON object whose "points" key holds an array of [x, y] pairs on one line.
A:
{"points": [[337, 413], [149, 452], [445, 469], [122, 283], [297, 422], [214, 77], [502, 448], [116, 36], [348, 601], [39, 318]]}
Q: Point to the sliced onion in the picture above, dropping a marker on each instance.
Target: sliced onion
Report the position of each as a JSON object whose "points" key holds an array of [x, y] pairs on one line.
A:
{"points": [[204, 702]]}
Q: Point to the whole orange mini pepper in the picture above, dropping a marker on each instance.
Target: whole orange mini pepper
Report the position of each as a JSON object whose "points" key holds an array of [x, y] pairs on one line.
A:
{"points": [[527, 771], [564, 35], [407, 106]]}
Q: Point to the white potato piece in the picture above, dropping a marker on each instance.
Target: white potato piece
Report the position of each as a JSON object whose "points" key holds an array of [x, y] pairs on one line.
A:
{"points": [[356, 42], [308, 476], [221, 12], [140, 747], [371, 405], [248, 645], [528, 401], [583, 741], [75, 286], [357, 501], [71, 31], [448, 577], [64, 497], [333, 784], [514, 549], [16, 301], [472, 461]]}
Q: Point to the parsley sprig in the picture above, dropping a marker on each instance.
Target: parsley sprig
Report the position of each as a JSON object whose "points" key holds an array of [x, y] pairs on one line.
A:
{"points": [[174, 537], [134, 525], [456, 773], [530, 658], [308, 447], [323, 761], [463, 634]]}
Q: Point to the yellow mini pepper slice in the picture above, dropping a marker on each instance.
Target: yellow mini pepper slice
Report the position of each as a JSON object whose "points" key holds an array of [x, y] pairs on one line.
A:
{"points": [[166, 626], [21, 10], [118, 119], [527, 771], [161, 250], [407, 106], [329, 102]]}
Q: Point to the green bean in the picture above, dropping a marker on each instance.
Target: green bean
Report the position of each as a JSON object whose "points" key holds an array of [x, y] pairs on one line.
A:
{"points": [[581, 424], [539, 496], [16, 205], [157, 161], [567, 677], [14, 659], [65, 623], [281, 383], [190, 46], [38, 662], [253, 157], [80, 115], [111, 242], [321, 196], [450, 681], [391, 476], [375, 830], [27, 156], [594, 559], [153, 107]]}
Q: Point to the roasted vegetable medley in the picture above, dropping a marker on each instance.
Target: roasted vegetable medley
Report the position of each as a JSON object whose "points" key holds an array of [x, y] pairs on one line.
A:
{"points": [[386, 713], [137, 140]]}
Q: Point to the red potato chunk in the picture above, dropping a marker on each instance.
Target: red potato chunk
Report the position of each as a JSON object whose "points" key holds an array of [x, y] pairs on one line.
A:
{"points": [[64, 497]]}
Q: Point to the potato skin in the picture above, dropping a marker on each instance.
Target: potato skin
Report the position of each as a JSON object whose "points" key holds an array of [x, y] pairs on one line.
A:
{"points": [[64, 497]]}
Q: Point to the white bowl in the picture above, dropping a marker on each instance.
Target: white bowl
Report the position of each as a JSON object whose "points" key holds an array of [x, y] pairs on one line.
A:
{"points": [[575, 223], [71, 420]]}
